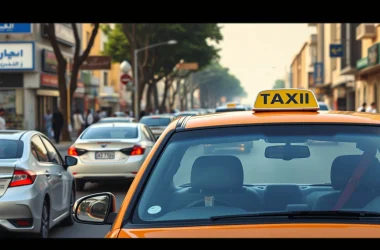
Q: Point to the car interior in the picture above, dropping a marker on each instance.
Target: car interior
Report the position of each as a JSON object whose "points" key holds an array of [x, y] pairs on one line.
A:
{"points": [[221, 178]]}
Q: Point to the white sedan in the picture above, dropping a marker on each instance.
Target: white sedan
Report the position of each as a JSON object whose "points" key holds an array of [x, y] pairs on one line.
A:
{"points": [[110, 151]]}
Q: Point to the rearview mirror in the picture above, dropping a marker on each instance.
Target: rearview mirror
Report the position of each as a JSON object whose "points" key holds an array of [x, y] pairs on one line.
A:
{"points": [[70, 161], [287, 152], [97, 209]]}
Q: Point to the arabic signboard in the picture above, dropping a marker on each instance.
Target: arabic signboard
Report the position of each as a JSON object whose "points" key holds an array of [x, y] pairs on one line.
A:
{"points": [[336, 50], [49, 61], [362, 63], [187, 66], [318, 73], [16, 56], [51, 81], [97, 63], [64, 33], [18, 28], [373, 55]]}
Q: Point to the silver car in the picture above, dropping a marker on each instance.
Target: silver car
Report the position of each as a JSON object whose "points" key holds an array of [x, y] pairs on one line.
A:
{"points": [[36, 191], [110, 151], [157, 123]]}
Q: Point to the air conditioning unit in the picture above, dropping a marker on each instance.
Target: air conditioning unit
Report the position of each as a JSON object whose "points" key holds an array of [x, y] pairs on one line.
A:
{"points": [[365, 30]]}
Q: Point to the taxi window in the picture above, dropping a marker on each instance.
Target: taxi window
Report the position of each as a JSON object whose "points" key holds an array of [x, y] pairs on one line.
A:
{"points": [[214, 176]]}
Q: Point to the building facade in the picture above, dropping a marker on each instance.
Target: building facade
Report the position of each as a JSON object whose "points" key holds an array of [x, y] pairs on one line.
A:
{"points": [[368, 66], [302, 65], [28, 77], [102, 86]]}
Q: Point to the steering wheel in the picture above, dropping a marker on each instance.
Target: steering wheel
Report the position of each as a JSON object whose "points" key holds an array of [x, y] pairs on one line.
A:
{"points": [[201, 202]]}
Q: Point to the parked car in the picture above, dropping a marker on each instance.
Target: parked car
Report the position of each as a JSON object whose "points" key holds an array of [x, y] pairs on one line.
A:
{"points": [[109, 151], [36, 190]]}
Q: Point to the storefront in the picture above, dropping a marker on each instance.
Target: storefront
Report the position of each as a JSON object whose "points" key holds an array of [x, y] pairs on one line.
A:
{"points": [[11, 99], [368, 77]]}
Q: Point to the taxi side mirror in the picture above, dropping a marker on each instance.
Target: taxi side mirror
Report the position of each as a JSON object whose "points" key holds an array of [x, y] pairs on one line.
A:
{"points": [[95, 209]]}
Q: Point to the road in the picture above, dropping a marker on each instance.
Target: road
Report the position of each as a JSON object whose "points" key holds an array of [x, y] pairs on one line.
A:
{"points": [[90, 231]]}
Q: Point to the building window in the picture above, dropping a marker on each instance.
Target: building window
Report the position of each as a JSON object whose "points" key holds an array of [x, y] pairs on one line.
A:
{"points": [[105, 78]]}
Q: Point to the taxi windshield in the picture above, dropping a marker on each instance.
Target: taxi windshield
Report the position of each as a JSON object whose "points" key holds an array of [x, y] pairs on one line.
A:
{"points": [[261, 168]]}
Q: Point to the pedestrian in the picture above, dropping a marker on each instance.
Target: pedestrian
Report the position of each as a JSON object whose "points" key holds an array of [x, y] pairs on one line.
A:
{"points": [[79, 122], [97, 116], [372, 108], [48, 118], [89, 118], [362, 108], [3, 124], [57, 124]]}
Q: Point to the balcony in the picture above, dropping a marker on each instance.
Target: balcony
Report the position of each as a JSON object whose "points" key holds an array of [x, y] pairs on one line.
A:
{"points": [[365, 30]]}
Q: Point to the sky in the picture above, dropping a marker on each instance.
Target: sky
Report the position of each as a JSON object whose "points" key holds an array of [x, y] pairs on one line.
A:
{"points": [[258, 54]]}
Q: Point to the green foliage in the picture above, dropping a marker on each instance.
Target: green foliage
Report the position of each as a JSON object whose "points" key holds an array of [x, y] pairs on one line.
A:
{"points": [[219, 81], [192, 44], [279, 84], [117, 45]]}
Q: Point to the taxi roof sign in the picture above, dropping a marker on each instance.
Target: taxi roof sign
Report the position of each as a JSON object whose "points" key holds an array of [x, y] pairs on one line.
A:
{"points": [[286, 99], [231, 105]]}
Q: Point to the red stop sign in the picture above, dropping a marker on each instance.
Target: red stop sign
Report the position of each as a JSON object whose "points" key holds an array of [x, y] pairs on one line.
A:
{"points": [[125, 79]]}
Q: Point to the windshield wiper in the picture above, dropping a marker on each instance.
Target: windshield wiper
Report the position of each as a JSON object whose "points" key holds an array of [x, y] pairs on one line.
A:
{"points": [[295, 214]]}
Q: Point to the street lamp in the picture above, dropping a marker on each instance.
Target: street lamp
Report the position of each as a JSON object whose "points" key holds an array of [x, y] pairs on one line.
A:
{"points": [[135, 69]]}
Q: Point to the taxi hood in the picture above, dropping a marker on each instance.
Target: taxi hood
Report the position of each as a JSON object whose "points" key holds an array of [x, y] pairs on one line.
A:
{"points": [[301, 230]]}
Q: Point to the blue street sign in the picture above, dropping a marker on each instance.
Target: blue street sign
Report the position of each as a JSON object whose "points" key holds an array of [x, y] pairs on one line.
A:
{"points": [[318, 73], [9, 28], [336, 50]]}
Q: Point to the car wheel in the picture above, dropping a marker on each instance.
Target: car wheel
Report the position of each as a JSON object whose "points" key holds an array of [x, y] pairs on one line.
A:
{"points": [[80, 185], [44, 230], [69, 220]]}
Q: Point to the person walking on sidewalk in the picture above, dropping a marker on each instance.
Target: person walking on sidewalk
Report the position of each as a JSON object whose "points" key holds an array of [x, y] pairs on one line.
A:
{"points": [[49, 124], [89, 118], [2, 120], [79, 122], [57, 124]]}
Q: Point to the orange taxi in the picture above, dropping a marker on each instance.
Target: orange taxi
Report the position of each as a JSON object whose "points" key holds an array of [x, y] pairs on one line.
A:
{"points": [[284, 188]]}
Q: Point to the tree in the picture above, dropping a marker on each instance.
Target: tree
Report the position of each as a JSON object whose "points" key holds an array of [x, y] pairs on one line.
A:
{"points": [[215, 82], [157, 64], [279, 84], [61, 68]]}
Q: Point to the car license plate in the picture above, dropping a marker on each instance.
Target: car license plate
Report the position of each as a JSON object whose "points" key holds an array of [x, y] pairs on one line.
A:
{"points": [[104, 155]]}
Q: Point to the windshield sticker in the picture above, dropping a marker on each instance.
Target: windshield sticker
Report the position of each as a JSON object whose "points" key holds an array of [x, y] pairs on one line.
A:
{"points": [[154, 210]]}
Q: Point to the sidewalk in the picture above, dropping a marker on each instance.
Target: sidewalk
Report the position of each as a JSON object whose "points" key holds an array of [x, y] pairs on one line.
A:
{"points": [[63, 145]]}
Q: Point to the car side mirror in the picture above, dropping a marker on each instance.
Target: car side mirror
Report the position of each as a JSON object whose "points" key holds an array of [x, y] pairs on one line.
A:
{"points": [[95, 209], [70, 161]]}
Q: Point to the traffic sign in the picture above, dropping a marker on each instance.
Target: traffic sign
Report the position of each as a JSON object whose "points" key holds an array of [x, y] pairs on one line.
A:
{"points": [[125, 79]]}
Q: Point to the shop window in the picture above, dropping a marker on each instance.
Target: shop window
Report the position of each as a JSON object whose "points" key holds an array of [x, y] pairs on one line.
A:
{"points": [[8, 103]]}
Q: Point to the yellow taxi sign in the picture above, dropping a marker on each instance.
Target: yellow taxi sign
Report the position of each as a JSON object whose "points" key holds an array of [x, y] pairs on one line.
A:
{"points": [[286, 99], [231, 105]]}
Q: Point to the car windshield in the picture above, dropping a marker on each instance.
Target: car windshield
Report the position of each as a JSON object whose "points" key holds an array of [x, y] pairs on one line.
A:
{"points": [[186, 114], [11, 149], [155, 121], [109, 133], [230, 109], [261, 168], [323, 107], [114, 120]]}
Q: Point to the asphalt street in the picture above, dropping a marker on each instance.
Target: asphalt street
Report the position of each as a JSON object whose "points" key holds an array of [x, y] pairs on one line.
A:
{"points": [[257, 169], [90, 231]]}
